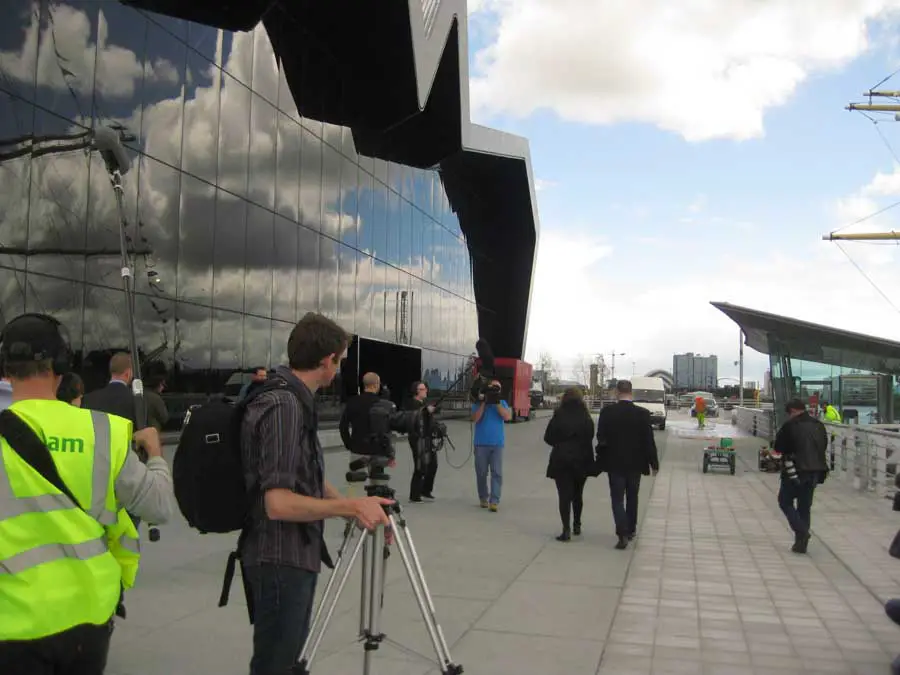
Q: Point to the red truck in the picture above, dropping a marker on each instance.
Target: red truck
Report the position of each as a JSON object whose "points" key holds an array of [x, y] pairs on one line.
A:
{"points": [[514, 376]]}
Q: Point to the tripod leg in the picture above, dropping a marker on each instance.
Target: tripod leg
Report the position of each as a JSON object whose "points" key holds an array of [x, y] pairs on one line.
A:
{"points": [[420, 588], [329, 603], [376, 593], [364, 588]]}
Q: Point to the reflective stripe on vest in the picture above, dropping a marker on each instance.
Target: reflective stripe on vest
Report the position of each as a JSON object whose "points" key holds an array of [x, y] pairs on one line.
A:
{"points": [[16, 506], [50, 552]]}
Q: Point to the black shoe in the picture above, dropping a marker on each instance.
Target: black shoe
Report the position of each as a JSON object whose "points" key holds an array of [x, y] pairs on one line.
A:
{"points": [[576, 529], [622, 544], [416, 500], [632, 536], [801, 541], [428, 496], [565, 536]]}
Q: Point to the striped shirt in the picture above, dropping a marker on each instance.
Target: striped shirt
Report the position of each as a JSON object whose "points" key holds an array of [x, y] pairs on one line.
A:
{"points": [[281, 450]]}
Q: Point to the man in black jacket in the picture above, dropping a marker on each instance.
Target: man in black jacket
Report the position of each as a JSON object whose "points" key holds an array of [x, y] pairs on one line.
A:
{"points": [[355, 425], [421, 486], [803, 443], [626, 450]]}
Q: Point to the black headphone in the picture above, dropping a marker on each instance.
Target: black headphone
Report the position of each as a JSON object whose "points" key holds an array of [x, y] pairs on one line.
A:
{"points": [[47, 338]]}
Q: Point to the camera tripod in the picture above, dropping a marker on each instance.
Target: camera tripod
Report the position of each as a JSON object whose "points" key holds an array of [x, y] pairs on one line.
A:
{"points": [[375, 554]]}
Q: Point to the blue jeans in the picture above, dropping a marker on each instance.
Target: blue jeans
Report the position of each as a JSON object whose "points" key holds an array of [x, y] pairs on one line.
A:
{"points": [[489, 457], [282, 604], [801, 491]]}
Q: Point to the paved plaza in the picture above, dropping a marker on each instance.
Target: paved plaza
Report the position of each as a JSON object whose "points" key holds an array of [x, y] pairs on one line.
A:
{"points": [[709, 586]]}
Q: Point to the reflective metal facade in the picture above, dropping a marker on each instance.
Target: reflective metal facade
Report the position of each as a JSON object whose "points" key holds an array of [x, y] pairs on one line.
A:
{"points": [[250, 215]]}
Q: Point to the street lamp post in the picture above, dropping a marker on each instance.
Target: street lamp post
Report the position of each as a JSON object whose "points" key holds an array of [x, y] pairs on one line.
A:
{"points": [[612, 374]]}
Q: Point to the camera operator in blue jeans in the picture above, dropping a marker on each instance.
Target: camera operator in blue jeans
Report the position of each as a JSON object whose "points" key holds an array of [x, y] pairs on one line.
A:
{"points": [[489, 418]]}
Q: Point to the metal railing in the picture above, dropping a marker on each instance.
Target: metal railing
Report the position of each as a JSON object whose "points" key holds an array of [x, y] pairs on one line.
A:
{"points": [[863, 457], [759, 422]]}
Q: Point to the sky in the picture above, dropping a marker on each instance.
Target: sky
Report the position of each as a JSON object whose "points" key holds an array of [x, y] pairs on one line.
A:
{"points": [[692, 152]]}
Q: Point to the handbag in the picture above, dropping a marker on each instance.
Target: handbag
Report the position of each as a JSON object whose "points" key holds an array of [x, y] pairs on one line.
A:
{"points": [[595, 467], [35, 452]]}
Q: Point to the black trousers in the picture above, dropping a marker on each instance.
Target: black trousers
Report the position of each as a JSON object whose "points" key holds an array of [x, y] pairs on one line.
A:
{"points": [[800, 492], [422, 482], [81, 650], [570, 488], [623, 493]]}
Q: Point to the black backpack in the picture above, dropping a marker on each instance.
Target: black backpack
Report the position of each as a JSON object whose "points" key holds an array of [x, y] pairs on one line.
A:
{"points": [[207, 472]]}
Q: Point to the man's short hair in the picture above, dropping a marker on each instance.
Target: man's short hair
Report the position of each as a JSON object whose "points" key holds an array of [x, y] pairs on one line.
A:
{"points": [[371, 380], [623, 386], [313, 338], [23, 370], [795, 404], [120, 363]]}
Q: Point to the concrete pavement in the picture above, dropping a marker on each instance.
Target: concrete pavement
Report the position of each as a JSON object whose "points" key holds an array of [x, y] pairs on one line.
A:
{"points": [[709, 587]]}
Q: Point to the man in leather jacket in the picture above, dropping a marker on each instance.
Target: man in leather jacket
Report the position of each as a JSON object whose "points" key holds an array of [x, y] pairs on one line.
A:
{"points": [[802, 441]]}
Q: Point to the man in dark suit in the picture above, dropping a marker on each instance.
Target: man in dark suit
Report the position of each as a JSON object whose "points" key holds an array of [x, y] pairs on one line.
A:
{"points": [[626, 450], [116, 398]]}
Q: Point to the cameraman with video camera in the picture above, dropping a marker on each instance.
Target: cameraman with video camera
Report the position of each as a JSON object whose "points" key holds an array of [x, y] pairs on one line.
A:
{"points": [[489, 413], [424, 457]]}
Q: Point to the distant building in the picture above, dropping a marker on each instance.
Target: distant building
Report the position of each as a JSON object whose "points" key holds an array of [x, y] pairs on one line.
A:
{"points": [[751, 384], [692, 371], [767, 384], [666, 376]]}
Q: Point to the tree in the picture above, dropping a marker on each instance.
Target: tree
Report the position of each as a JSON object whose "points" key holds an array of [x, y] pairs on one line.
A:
{"points": [[582, 370], [548, 368]]}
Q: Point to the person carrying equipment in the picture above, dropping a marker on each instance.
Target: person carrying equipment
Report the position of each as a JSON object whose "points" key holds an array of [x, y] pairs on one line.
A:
{"points": [[67, 480]]}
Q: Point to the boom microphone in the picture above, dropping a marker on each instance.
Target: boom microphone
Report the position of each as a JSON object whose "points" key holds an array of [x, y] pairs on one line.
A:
{"points": [[108, 143], [486, 354]]}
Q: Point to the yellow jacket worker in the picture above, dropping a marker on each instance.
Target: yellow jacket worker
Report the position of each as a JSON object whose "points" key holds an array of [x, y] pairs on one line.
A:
{"points": [[67, 477]]}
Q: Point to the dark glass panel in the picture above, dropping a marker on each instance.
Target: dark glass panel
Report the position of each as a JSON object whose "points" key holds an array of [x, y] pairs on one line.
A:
{"points": [[203, 39], [195, 242], [404, 238], [265, 67], [237, 54], [391, 304], [157, 220], [263, 142], [307, 271], [227, 340], [381, 170], [404, 308], [235, 132], [423, 314], [162, 99], [346, 293], [285, 266], [311, 181], [57, 295], [363, 291], [19, 54], [257, 341], [193, 341], [16, 166], [349, 203], [379, 300], [105, 325], [427, 248], [329, 265], [393, 228], [12, 291], [201, 118], [67, 59], [154, 320], [281, 330], [415, 311], [286, 103], [287, 179], [230, 250], [331, 192], [103, 220], [259, 257], [380, 221], [366, 205]]}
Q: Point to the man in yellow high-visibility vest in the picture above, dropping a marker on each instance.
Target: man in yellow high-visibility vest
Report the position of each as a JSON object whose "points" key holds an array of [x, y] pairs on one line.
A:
{"points": [[63, 564], [831, 413]]}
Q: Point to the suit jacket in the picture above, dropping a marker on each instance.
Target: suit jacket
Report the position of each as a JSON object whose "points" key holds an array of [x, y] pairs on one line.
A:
{"points": [[115, 398], [625, 442]]}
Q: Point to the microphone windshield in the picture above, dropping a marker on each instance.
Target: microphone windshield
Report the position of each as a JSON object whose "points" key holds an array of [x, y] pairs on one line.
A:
{"points": [[486, 354], [108, 143]]}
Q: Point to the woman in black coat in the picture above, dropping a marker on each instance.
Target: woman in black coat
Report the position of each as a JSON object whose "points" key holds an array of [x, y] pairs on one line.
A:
{"points": [[571, 435]]}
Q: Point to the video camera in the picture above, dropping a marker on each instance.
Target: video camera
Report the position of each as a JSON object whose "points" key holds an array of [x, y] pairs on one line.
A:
{"points": [[385, 418]]}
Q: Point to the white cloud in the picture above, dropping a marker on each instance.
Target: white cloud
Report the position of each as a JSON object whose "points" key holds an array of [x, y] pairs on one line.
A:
{"points": [[581, 306], [701, 69]]}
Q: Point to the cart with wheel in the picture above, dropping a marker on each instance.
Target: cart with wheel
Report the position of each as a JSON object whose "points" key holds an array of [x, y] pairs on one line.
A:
{"points": [[721, 456]]}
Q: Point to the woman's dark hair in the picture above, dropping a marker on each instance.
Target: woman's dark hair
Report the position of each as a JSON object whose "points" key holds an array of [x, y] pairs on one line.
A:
{"points": [[573, 395], [314, 337], [70, 387]]}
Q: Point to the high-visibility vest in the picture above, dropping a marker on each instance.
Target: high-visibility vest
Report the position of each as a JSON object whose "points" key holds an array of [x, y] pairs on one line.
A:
{"points": [[59, 566], [832, 415]]}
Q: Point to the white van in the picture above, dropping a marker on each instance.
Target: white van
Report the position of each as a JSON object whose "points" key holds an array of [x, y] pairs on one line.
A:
{"points": [[650, 393]]}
